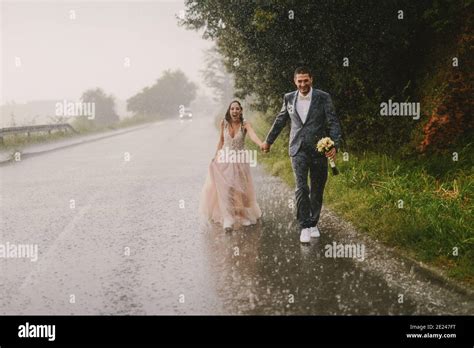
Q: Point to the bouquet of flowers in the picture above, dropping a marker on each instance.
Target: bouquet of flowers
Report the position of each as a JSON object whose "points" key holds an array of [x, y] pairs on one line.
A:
{"points": [[324, 145]]}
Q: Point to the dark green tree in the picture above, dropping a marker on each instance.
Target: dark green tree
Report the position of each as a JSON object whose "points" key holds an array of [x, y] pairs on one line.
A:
{"points": [[383, 42], [104, 106]]}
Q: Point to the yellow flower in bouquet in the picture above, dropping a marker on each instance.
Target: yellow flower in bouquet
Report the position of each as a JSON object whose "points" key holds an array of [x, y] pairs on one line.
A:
{"points": [[324, 145]]}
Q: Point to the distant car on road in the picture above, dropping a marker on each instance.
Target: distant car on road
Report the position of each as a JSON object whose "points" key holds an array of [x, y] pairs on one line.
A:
{"points": [[185, 113]]}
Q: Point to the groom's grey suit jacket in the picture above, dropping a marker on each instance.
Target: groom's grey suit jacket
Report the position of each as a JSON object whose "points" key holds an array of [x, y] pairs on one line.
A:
{"points": [[321, 116]]}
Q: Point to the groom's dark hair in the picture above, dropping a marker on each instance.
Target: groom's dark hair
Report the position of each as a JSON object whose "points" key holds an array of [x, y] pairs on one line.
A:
{"points": [[303, 70]]}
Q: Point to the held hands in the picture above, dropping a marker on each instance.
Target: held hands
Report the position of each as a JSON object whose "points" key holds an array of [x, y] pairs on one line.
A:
{"points": [[265, 147]]}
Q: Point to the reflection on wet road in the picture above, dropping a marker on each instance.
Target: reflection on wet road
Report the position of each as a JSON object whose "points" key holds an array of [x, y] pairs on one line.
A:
{"points": [[265, 270]]}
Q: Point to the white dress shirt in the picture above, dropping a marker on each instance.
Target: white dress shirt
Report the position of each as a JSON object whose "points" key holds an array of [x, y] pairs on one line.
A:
{"points": [[303, 103]]}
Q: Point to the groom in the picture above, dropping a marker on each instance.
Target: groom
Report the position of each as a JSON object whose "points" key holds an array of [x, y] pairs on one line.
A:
{"points": [[311, 111]]}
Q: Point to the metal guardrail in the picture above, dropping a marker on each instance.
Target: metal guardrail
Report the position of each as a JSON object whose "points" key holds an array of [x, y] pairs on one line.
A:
{"points": [[32, 129]]}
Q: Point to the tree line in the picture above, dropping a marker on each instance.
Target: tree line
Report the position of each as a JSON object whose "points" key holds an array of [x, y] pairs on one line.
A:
{"points": [[161, 100]]}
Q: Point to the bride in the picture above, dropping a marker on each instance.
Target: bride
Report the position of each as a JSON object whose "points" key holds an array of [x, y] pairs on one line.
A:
{"points": [[228, 195]]}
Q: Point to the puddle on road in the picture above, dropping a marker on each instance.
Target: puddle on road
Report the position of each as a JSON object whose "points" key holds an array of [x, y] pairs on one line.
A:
{"points": [[265, 270]]}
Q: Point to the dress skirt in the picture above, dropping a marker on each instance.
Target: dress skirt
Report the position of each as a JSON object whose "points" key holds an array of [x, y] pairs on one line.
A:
{"points": [[228, 193]]}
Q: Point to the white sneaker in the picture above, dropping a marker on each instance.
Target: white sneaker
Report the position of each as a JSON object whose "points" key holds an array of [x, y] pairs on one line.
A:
{"points": [[227, 225], [305, 236], [315, 232]]}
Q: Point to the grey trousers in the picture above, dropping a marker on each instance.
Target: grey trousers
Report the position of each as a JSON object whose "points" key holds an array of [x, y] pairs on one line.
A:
{"points": [[309, 200]]}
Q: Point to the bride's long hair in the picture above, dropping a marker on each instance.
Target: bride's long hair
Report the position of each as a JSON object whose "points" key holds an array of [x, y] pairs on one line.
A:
{"points": [[227, 114]]}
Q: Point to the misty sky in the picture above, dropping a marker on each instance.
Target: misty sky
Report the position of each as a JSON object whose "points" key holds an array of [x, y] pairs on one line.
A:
{"points": [[61, 58]]}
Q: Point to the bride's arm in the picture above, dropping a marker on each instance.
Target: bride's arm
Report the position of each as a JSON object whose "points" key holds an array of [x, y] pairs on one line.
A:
{"points": [[252, 134], [221, 139]]}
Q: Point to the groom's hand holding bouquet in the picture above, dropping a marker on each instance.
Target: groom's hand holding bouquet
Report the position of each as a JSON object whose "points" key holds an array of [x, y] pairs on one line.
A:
{"points": [[326, 146]]}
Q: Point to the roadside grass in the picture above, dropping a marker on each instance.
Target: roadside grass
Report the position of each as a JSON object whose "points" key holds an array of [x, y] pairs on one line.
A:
{"points": [[432, 223]]}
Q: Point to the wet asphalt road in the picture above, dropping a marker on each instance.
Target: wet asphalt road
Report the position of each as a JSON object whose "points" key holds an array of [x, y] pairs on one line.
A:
{"points": [[133, 244]]}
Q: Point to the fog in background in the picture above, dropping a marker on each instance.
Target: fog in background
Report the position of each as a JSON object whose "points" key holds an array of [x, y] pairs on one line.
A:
{"points": [[51, 51]]}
